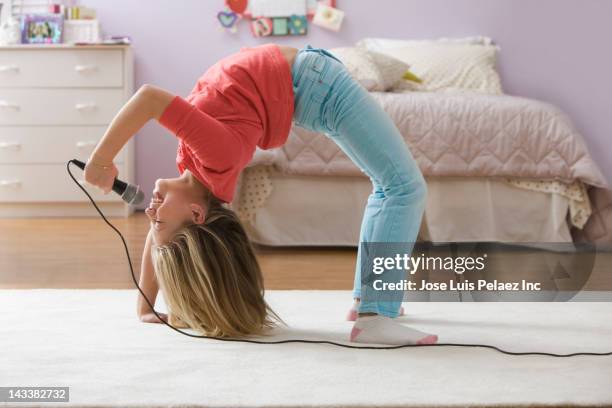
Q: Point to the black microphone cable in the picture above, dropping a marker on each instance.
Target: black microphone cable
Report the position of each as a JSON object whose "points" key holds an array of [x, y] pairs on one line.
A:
{"points": [[332, 343]]}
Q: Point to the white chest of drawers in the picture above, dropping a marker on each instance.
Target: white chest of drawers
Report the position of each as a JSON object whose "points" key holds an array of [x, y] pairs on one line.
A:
{"points": [[55, 104]]}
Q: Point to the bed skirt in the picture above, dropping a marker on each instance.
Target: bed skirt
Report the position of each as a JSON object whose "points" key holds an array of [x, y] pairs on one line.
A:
{"points": [[326, 211]]}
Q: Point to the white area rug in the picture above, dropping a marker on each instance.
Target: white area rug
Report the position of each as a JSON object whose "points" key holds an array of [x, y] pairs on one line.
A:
{"points": [[92, 342]]}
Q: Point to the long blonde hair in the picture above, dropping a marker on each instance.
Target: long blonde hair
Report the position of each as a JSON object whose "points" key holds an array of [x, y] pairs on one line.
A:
{"points": [[211, 279]]}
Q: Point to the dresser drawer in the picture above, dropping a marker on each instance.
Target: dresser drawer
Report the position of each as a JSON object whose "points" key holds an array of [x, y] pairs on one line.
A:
{"points": [[50, 144], [46, 182], [61, 68], [59, 106]]}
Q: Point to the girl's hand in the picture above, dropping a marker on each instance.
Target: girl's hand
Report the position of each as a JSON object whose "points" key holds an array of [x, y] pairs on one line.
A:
{"points": [[101, 175], [151, 210], [151, 318]]}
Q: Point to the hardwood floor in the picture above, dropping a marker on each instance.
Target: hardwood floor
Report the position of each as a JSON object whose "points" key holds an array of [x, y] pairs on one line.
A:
{"points": [[86, 253]]}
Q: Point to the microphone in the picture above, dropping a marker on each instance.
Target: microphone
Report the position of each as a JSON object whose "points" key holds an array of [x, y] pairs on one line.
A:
{"points": [[129, 193]]}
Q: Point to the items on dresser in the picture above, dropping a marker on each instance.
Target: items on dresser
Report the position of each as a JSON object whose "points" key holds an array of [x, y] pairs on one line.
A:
{"points": [[10, 31], [42, 29], [80, 24], [72, 12], [59, 24], [78, 13], [81, 31], [56, 102]]}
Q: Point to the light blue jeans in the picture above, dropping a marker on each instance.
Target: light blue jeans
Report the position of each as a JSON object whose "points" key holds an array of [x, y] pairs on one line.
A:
{"points": [[329, 101]]}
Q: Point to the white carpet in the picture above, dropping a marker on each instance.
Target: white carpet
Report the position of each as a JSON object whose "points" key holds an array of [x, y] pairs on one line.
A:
{"points": [[92, 342]]}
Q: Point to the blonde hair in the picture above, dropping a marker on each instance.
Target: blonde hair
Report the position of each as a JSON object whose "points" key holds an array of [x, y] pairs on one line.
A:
{"points": [[211, 279]]}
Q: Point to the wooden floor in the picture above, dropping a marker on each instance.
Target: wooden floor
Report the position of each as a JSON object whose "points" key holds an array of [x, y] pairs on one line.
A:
{"points": [[86, 253]]}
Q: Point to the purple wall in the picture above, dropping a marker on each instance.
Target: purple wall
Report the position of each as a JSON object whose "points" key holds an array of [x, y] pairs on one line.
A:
{"points": [[553, 50]]}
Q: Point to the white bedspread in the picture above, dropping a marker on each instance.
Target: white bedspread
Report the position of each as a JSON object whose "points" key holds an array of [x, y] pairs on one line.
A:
{"points": [[472, 135], [462, 134]]}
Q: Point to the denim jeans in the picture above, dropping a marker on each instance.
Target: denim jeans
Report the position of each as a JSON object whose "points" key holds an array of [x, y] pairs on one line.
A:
{"points": [[328, 100]]}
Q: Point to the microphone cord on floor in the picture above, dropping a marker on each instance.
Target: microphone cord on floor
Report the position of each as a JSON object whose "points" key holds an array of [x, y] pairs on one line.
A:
{"points": [[332, 343]]}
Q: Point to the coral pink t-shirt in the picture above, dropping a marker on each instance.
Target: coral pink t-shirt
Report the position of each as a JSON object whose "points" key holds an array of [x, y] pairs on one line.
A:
{"points": [[243, 101]]}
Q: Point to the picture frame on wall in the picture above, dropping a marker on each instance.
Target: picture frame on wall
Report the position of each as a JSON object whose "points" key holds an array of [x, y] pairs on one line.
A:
{"points": [[42, 28], [311, 6]]}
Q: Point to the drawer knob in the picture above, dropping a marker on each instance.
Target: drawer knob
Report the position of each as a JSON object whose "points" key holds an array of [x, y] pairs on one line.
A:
{"points": [[10, 183], [85, 106], [85, 68], [86, 143], [9, 68], [10, 145], [9, 105]]}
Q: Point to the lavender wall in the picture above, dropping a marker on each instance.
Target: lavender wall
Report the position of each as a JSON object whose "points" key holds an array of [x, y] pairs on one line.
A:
{"points": [[554, 50]]}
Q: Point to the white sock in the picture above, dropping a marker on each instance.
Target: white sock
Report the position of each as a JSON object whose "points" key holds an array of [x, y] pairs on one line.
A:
{"points": [[384, 330]]}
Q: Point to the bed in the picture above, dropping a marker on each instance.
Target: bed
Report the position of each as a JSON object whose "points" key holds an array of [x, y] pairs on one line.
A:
{"points": [[499, 168]]}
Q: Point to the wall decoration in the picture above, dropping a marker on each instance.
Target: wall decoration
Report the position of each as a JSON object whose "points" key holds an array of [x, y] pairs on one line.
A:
{"points": [[328, 17], [237, 6], [228, 20], [280, 17], [298, 25], [277, 8], [280, 26], [311, 6], [261, 27]]}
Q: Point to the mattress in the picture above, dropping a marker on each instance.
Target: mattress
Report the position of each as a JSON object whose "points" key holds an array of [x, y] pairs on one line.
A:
{"points": [[326, 211]]}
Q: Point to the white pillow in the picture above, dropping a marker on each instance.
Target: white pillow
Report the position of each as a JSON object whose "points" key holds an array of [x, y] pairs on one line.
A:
{"points": [[374, 71], [378, 44], [448, 65]]}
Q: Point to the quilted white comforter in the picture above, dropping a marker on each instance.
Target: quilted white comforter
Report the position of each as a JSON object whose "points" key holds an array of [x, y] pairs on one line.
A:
{"points": [[463, 134], [467, 134]]}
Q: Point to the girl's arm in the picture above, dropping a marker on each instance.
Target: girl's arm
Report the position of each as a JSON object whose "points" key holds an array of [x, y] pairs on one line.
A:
{"points": [[146, 104], [148, 284]]}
